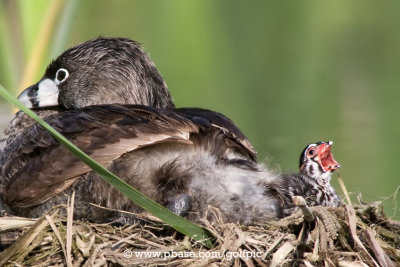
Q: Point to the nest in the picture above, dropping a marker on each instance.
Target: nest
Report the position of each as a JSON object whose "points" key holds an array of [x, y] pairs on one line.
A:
{"points": [[345, 236]]}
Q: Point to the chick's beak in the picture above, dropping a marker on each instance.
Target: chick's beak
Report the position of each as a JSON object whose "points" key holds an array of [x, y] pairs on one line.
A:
{"points": [[325, 157], [42, 94]]}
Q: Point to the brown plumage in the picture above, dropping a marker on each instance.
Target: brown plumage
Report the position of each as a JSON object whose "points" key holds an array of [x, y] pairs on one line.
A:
{"points": [[107, 97]]}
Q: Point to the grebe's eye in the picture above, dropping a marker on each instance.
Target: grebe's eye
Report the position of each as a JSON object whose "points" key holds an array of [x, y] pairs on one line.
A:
{"points": [[61, 76]]}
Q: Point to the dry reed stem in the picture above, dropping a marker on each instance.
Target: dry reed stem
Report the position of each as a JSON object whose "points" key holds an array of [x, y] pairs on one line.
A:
{"points": [[344, 189], [24, 241], [57, 233], [353, 230], [70, 214]]}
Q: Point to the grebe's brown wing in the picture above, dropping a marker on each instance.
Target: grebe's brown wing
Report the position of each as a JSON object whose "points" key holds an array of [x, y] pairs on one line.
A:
{"points": [[209, 120], [43, 168]]}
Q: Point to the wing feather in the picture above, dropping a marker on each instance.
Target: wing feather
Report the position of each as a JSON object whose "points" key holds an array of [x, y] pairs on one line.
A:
{"points": [[123, 130]]}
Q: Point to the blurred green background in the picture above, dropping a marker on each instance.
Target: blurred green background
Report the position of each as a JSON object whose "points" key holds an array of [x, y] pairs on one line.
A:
{"points": [[287, 72]]}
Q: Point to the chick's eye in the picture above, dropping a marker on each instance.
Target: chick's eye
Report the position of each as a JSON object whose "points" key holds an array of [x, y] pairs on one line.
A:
{"points": [[61, 75], [311, 152]]}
